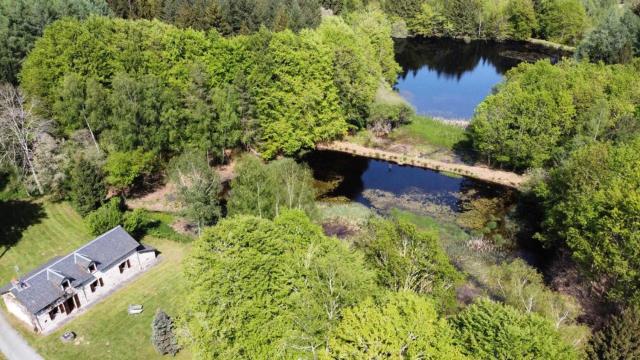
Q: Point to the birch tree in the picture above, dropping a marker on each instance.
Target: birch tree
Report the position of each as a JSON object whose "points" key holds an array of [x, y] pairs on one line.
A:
{"points": [[20, 127]]}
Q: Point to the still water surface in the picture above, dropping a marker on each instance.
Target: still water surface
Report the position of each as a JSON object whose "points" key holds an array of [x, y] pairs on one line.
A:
{"points": [[448, 78]]}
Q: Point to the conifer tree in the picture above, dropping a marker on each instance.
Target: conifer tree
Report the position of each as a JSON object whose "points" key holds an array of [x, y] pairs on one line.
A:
{"points": [[162, 336], [619, 340]]}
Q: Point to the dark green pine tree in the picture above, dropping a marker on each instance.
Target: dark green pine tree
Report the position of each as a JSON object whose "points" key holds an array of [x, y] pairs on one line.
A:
{"points": [[162, 336], [87, 188], [620, 340]]}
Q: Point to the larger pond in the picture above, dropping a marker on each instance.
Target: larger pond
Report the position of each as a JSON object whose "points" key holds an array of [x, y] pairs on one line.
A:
{"points": [[448, 78]]}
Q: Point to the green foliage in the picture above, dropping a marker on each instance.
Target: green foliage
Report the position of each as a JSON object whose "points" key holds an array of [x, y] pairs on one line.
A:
{"points": [[403, 326], [162, 336], [137, 222], [228, 17], [198, 188], [23, 21], [375, 27], [343, 6], [264, 190], [543, 111], [619, 339], [616, 39], [248, 274], [105, 217], [593, 207], [522, 18], [521, 286], [297, 101], [557, 20], [124, 169], [406, 258], [357, 73], [383, 117], [488, 330], [145, 84], [562, 21], [86, 186]]}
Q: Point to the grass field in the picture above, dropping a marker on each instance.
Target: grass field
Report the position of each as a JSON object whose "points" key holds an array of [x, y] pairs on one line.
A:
{"points": [[33, 232], [426, 131], [106, 331]]}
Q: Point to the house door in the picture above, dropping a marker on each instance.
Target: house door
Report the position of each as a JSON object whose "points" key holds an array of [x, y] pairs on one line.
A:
{"points": [[69, 305]]}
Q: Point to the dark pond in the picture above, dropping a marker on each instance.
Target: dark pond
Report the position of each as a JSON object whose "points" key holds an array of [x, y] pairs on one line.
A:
{"points": [[383, 185], [448, 78], [358, 175]]}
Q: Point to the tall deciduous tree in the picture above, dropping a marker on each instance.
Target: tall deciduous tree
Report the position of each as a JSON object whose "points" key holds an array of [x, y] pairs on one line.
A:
{"points": [[198, 187], [593, 207], [248, 274], [403, 326], [408, 259], [264, 190], [20, 128], [488, 330]]}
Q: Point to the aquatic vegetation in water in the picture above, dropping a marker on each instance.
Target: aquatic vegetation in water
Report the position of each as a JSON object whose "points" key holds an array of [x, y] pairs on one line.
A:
{"points": [[413, 201]]}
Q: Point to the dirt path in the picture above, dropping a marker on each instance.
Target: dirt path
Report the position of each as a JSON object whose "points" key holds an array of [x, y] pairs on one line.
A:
{"points": [[163, 198], [483, 173], [12, 345]]}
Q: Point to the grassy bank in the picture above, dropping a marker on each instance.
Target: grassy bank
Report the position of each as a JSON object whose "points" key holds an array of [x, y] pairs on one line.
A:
{"points": [[426, 131]]}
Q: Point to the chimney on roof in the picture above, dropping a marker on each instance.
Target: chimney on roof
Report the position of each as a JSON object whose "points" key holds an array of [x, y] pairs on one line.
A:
{"points": [[19, 284]]}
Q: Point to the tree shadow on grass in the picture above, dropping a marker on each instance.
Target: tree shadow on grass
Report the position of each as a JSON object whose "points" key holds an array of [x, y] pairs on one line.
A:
{"points": [[15, 217]]}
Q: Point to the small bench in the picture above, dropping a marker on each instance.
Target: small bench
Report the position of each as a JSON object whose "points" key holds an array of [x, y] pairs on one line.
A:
{"points": [[135, 309]]}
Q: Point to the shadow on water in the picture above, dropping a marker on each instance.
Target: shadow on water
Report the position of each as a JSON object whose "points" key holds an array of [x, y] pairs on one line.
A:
{"points": [[15, 217]]}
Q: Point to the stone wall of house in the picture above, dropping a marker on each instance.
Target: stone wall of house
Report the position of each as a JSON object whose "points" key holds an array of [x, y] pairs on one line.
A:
{"points": [[146, 258], [18, 310]]}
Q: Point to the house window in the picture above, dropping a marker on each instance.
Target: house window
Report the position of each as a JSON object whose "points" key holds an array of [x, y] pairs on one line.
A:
{"points": [[125, 265], [54, 312], [94, 285], [92, 268], [65, 284]]}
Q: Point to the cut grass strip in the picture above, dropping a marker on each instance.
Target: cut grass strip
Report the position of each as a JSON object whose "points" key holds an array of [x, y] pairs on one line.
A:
{"points": [[53, 229]]}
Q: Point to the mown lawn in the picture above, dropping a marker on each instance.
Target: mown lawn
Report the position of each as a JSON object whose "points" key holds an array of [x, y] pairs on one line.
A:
{"points": [[33, 232], [106, 331], [426, 131]]}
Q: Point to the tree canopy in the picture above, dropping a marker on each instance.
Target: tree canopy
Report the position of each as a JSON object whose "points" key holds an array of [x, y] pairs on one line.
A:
{"points": [[403, 325], [264, 190], [406, 258], [23, 21], [145, 84], [228, 17], [269, 289], [561, 21], [593, 208], [543, 111], [489, 330]]}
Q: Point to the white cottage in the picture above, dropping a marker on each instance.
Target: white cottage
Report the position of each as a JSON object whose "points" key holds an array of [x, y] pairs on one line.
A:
{"points": [[48, 295]]}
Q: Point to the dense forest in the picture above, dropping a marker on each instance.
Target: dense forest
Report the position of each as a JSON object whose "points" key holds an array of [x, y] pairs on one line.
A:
{"points": [[103, 102]]}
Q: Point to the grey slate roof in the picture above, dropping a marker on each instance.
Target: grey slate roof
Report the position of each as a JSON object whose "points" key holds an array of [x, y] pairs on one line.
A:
{"points": [[43, 285]]}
